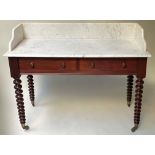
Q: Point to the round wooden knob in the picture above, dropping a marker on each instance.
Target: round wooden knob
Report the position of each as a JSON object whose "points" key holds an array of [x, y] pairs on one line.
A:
{"points": [[92, 65], [62, 65], [32, 64], [124, 65]]}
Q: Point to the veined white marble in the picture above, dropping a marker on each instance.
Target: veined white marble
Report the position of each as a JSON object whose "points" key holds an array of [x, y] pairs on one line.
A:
{"points": [[77, 40]]}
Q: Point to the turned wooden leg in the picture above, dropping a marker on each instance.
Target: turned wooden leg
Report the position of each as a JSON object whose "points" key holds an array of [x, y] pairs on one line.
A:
{"points": [[129, 89], [20, 102], [138, 102], [31, 88]]}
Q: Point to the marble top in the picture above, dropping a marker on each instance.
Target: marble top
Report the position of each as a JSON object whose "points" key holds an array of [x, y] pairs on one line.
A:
{"points": [[77, 40]]}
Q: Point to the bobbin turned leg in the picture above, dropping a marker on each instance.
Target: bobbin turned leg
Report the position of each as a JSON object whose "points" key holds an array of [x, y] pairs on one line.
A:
{"points": [[20, 102], [31, 88], [138, 102], [129, 89]]}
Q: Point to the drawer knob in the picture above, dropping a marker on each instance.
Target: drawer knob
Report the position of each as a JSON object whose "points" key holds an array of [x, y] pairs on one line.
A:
{"points": [[32, 64], [63, 66], [124, 65], [92, 65]]}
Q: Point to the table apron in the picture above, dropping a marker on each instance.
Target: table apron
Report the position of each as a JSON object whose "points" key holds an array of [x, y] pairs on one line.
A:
{"points": [[79, 66]]}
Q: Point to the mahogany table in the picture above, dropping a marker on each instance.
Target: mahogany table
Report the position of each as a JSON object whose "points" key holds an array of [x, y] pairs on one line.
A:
{"points": [[78, 48]]}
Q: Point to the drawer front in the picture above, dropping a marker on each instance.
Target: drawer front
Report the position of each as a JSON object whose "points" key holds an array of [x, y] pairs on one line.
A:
{"points": [[109, 65], [47, 65]]}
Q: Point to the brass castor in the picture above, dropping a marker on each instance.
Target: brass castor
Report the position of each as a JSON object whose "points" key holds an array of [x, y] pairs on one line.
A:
{"points": [[32, 102], [129, 103], [134, 128], [25, 127]]}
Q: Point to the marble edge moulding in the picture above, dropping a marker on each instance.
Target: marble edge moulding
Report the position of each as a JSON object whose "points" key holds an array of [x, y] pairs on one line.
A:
{"points": [[103, 31]]}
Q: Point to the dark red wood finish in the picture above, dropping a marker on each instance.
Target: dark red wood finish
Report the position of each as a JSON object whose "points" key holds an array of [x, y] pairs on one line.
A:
{"points": [[138, 99], [108, 66], [103, 66], [20, 102], [90, 66], [31, 88], [47, 65], [130, 79], [14, 67], [138, 102]]}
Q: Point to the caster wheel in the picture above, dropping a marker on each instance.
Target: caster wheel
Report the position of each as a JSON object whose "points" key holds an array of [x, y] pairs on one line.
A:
{"points": [[134, 128], [128, 103], [25, 127], [32, 102]]}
